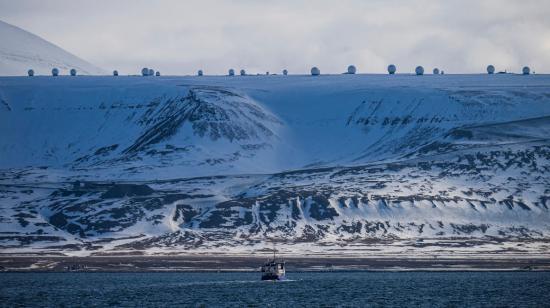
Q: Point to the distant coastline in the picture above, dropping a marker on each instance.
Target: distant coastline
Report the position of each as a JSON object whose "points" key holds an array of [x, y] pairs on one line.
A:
{"points": [[251, 264]]}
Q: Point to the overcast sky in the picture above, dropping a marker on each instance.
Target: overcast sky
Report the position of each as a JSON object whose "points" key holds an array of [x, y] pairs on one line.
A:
{"points": [[179, 37]]}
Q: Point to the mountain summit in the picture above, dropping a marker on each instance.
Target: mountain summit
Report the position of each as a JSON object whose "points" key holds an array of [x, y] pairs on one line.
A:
{"points": [[21, 50]]}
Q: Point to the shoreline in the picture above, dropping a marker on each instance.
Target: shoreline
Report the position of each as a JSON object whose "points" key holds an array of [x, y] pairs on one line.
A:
{"points": [[252, 263]]}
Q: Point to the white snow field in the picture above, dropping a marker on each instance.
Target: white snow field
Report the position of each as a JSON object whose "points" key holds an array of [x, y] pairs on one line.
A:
{"points": [[21, 51], [369, 165]]}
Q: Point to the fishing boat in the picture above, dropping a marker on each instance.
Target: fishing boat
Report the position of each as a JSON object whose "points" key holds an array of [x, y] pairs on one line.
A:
{"points": [[273, 269]]}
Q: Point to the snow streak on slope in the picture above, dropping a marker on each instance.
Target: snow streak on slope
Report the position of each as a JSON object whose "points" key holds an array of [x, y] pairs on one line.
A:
{"points": [[21, 51]]}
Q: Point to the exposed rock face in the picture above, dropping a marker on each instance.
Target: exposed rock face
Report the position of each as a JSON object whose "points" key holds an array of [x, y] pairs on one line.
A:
{"points": [[127, 190]]}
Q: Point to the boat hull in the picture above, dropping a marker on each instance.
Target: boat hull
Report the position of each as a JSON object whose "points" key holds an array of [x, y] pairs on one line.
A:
{"points": [[273, 277]]}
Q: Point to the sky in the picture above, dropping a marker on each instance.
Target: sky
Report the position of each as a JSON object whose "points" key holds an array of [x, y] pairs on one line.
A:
{"points": [[179, 37]]}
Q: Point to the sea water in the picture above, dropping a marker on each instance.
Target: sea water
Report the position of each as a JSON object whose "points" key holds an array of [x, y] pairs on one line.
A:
{"points": [[328, 289]]}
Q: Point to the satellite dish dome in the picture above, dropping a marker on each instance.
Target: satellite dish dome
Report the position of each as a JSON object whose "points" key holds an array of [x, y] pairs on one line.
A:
{"points": [[490, 69], [392, 69], [157, 73], [73, 72], [243, 72], [231, 72], [30, 72], [285, 72], [526, 70], [199, 73], [55, 71], [351, 69], [144, 71], [115, 73], [151, 72], [436, 71], [419, 70], [315, 71]]}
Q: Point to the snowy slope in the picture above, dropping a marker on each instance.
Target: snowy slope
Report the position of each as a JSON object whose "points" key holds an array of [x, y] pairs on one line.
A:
{"points": [[348, 164], [21, 51], [189, 126]]}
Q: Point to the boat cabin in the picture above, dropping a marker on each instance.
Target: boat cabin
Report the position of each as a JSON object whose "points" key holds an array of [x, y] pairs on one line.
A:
{"points": [[273, 270]]}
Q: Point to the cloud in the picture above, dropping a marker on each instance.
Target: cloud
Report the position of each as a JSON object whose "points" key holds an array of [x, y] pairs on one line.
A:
{"points": [[179, 37]]}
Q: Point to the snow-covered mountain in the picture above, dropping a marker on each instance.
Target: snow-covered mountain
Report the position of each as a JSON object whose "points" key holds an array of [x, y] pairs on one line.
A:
{"points": [[349, 164], [21, 51]]}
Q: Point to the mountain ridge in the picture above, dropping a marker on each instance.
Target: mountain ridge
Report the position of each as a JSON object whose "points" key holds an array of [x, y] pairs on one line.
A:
{"points": [[22, 50]]}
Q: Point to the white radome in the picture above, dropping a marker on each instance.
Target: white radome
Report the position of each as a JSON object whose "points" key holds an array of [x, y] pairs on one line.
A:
{"points": [[490, 69], [526, 70], [55, 71], [392, 69], [315, 71], [419, 70], [144, 71], [30, 72], [436, 71], [231, 72], [73, 72], [352, 69]]}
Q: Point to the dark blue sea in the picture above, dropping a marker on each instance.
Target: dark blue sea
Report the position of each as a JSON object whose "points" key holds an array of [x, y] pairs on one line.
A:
{"points": [[328, 289]]}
